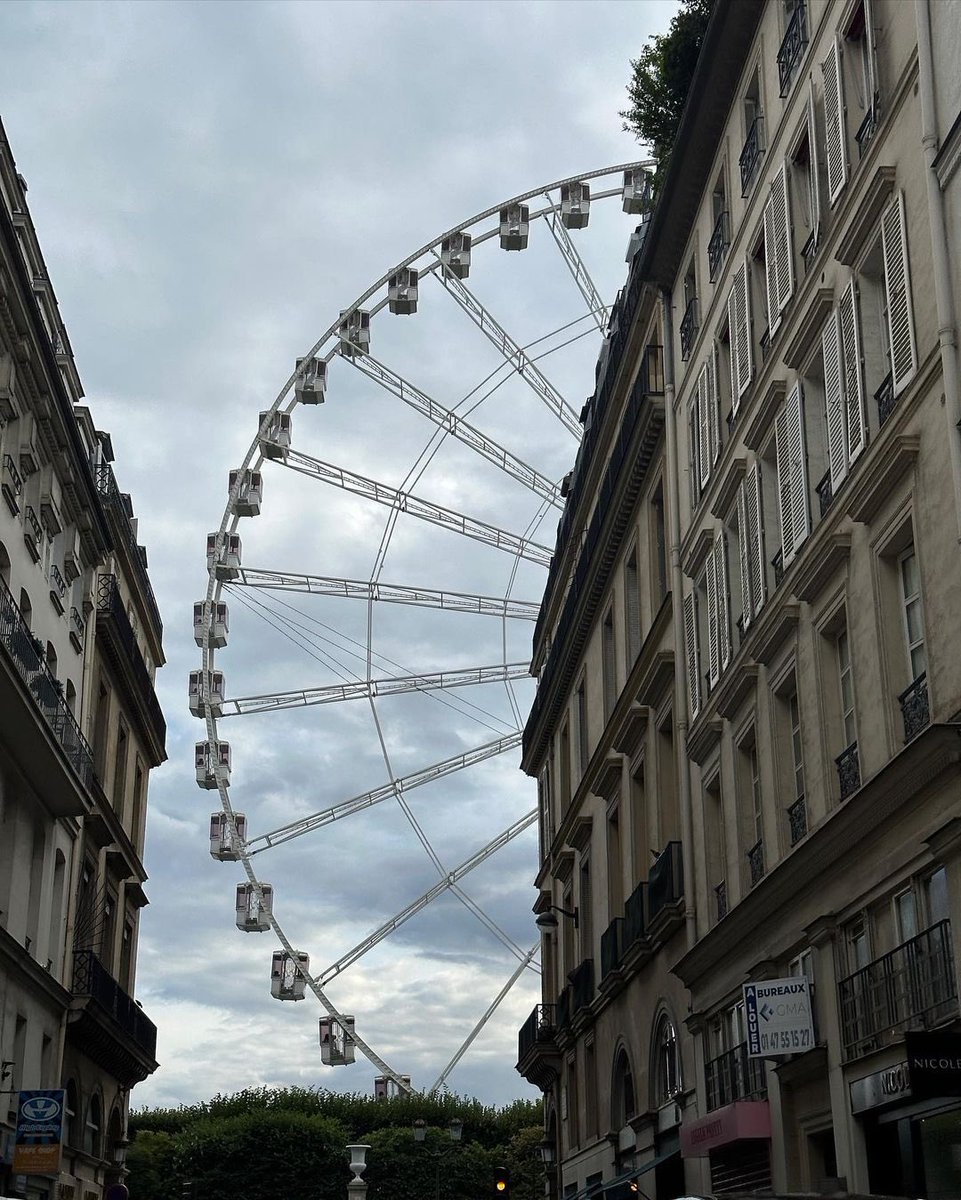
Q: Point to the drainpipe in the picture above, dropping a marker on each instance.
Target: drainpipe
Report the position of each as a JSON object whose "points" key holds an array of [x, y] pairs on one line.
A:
{"points": [[681, 709], [944, 297]]}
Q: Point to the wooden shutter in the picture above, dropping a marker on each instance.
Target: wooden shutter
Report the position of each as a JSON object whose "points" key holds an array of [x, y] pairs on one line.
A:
{"points": [[691, 651], [739, 318], [814, 166], [897, 283], [834, 132], [834, 401], [693, 435], [723, 603], [801, 520], [703, 424], [778, 255], [852, 372], [714, 406], [713, 636], [783, 445], [755, 529], [744, 553]]}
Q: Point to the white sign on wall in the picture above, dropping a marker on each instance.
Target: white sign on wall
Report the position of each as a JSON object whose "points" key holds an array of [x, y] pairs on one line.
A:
{"points": [[779, 1017]]}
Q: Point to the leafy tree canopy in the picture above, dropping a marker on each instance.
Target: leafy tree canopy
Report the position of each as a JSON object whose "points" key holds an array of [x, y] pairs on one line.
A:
{"points": [[661, 79]]}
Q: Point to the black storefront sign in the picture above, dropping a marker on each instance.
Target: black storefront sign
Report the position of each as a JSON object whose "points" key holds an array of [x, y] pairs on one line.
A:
{"points": [[934, 1064]]}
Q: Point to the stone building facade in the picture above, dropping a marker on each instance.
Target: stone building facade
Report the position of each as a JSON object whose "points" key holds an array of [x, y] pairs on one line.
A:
{"points": [[80, 730], [747, 726]]}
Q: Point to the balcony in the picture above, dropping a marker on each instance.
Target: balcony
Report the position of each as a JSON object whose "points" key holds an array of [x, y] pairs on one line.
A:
{"points": [[915, 711], [734, 1076], [792, 47], [121, 644], [689, 327], [12, 484], [78, 629], [849, 770], [717, 246], [24, 656], [911, 987], [755, 862], [582, 985], [32, 532], [58, 589], [107, 1024], [884, 397], [797, 817], [665, 886], [116, 505], [634, 909], [720, 901], [612, 947], [751, 154]]}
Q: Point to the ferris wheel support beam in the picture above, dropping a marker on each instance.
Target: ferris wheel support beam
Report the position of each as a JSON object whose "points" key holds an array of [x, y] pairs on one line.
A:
{"points": [[577, 267], [469, 758], [364, 689], [422, 901], [514, 355], [436, 514], [392, 593], [457, 427], [491, 1009]]}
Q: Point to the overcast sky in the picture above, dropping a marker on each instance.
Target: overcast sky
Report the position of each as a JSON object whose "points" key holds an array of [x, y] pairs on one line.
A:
{"points": [[211, 183]]}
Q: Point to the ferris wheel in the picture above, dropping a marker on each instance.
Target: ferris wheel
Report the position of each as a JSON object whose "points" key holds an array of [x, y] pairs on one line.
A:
{"points": [[372, 591]]}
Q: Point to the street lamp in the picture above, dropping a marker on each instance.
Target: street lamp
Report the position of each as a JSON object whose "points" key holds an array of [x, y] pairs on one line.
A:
{"points": [[546, 1150], [455, 1129], [547, 920]]}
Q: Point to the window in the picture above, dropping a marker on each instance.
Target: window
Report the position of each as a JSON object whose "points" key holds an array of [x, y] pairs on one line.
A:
{"points": [[797, 750], [108, 931], [564, 762], [751, 545], [753, 131], [92, 1127], [4, 565], [911, 608], [721, 233], [584, 910], [136, 819], [623, 1106], [120, 768], [806, 183], [860, 74], [590, 1087], [692, 650], [906, 915], [667, 1067], [101, 718], [632, 609], [615, 865], [26, 609], [857, 941], [935, 891], [70, 1114], [844, 399], [609, 664], [793, 43], [834, 132], [660, 545], [778, 250], [792, 475], [849, 731], [714, 847], [718, 609], [583, 752], [544, 803], [739, 322], [706, 402]]}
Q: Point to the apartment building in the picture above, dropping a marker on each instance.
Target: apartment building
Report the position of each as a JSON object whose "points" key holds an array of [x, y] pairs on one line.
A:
{"points": [[800, 675], [80, 729]]}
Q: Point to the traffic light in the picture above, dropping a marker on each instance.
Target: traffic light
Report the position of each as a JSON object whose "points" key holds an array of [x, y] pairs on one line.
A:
{"points": [[502, 1182]]}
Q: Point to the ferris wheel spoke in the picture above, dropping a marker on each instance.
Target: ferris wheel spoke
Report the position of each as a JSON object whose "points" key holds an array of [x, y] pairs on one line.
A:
{"points": [[515, 356], [391, 593], [422, 901], [406, 783], [435, 514], [577, 267], [488, 922], [489, 1012], [457, 427], [365, 689]]}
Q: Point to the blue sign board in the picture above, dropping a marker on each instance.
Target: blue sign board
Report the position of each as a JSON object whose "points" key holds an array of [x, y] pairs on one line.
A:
{"points": [[39, 1132]]}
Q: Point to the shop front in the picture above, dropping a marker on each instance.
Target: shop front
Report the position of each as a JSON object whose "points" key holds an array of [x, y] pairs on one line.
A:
{"points": [[737, 1140], [911, 1119]]}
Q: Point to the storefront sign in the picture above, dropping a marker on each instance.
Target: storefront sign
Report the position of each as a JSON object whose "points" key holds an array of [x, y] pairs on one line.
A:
{"points": [[883, 1087], [934, 1064], [39, 1131], [742, 1119], [779, 1019]]}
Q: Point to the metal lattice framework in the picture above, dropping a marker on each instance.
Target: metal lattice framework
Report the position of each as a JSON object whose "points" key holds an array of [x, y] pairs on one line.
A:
{"points": [[262, 590]]}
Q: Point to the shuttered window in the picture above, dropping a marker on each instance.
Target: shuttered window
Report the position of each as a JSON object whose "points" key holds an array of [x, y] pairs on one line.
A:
{"points": [[834, 402], [713, 406], [744, 553], [844, 399], [739, 318], [692, 653], [704, 424], [713, 635], [792, 474], [778, 251], [897, 283], [814, 167], [755, 530], [694, 456], [835, 139], [723, 600]]}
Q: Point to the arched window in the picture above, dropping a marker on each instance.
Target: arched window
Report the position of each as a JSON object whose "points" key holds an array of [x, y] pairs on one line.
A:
{"points": [[667, 1062], [93, 1127], [4, 564], [70, 1114], [26, 609], [623, 1106], [51, 658], [71, 697]]}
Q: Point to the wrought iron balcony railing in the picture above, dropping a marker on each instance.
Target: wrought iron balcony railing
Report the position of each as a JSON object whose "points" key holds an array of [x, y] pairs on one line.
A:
{"points": [[751, 154], [91, 978], [539, 1027], [885, 398], [117, 507], [915, 710], [797, 816], [582, 985], [110, 604], [755, 862], [26, 653], [911, 987], [717, 246], [665, 885], [734, 1076], [792, 47], [689, 327], [612, 947], [849, 770], [634, 910]]}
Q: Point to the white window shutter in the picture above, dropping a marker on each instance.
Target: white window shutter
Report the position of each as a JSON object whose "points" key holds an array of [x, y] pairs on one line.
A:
{"points": [[755, 530], [852, 372], [836, 141], [801, 521], [732, 338], [704, 427], [784, 488], [814, 166], [897, 282], [713, 635], [744, 552], [770, 267], [834, 402], [691, 651], [739, 315], [723, 603], [783, 250], [714, 406], [693, 435]]}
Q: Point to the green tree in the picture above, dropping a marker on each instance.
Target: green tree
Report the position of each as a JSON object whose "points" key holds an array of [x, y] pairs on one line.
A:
{"points": [[661, 79], [149, 1161]]}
